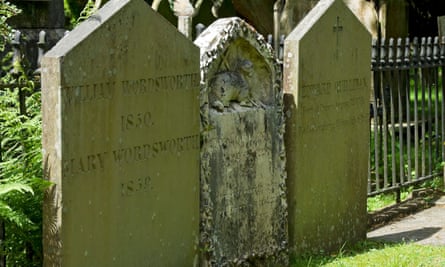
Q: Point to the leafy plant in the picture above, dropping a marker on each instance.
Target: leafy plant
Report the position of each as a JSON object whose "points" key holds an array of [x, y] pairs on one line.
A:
{"points": [[386, 199], [7, 10], [69, 10], [90, 7], [21, 183], [77, 11], [6, 212]]}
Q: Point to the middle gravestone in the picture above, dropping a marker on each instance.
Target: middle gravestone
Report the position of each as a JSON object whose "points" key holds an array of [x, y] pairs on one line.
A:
{"points": [[243, 205]]}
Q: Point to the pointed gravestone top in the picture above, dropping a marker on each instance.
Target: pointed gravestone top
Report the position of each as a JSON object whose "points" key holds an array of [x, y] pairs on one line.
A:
{"points": [[121, 142], [327, 89]]}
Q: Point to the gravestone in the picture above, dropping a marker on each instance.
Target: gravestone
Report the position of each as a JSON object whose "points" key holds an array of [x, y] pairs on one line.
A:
{"points": [[327, 85], [243, 205], [120, 96]]}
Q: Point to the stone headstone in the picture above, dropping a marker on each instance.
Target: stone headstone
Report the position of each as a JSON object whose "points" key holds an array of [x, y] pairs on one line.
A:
{"points": [[121, 138], [243, 205], [327, 85]]}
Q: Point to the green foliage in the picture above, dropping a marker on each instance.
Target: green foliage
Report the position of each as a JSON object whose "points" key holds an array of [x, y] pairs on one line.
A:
{"points": [[90, 7], [77, 11], [7, 10], [380, 201], [6, 212], [70, 18], [386, 199], [437, 183], [21, 183]]}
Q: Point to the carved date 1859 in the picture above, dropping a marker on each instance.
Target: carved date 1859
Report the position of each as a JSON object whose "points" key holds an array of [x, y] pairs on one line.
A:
{"points": [[136, 185]]}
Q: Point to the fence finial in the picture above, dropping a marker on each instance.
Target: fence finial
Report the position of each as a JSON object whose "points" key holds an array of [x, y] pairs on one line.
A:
{"points": [[436, 50], [399, 52], [270, 39], [41, 49], [281, 47], [429, 49], [17, 55], [199, 28], [422, 49], [407, 60], [382, 52], [442, 49], [374, 53], [416, 51], [391, 51]]}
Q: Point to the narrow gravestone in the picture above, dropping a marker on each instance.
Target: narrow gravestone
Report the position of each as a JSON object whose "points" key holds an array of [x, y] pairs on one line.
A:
{"points": [[327, 88], [243, 206], [120, 98]]}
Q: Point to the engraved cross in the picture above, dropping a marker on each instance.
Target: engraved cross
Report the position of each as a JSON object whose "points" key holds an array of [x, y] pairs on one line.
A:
{"points": [[337, 29]]}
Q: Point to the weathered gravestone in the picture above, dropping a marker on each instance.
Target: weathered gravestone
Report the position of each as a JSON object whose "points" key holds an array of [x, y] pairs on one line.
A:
{"points": [[243, 207], [327, 87], [121, 142]]}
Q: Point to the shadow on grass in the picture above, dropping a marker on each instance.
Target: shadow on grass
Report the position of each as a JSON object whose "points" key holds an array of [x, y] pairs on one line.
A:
{"points": [[311, 260]]}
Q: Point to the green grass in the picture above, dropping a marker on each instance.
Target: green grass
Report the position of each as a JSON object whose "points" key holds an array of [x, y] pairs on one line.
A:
{"points": [[370, 253], [380, 201], [383, 200]]}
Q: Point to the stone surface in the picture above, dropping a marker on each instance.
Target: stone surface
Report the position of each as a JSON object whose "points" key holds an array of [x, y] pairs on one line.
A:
{"points": [[120, 100], [327, 87], [243, 205]]}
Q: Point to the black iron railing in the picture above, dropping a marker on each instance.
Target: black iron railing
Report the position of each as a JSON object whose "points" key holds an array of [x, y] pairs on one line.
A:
{"points": [[407, 113]]}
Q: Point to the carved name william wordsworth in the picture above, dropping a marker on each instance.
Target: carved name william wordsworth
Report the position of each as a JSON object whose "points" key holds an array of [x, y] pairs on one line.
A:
{"points": [[121, 155], [84, 93]]}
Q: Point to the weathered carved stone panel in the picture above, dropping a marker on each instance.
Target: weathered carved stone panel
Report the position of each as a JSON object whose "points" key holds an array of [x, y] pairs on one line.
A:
{"points": [[243, 202]]}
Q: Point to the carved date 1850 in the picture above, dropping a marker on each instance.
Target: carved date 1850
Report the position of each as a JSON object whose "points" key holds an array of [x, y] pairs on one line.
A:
{"points": [[136, 121]]}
